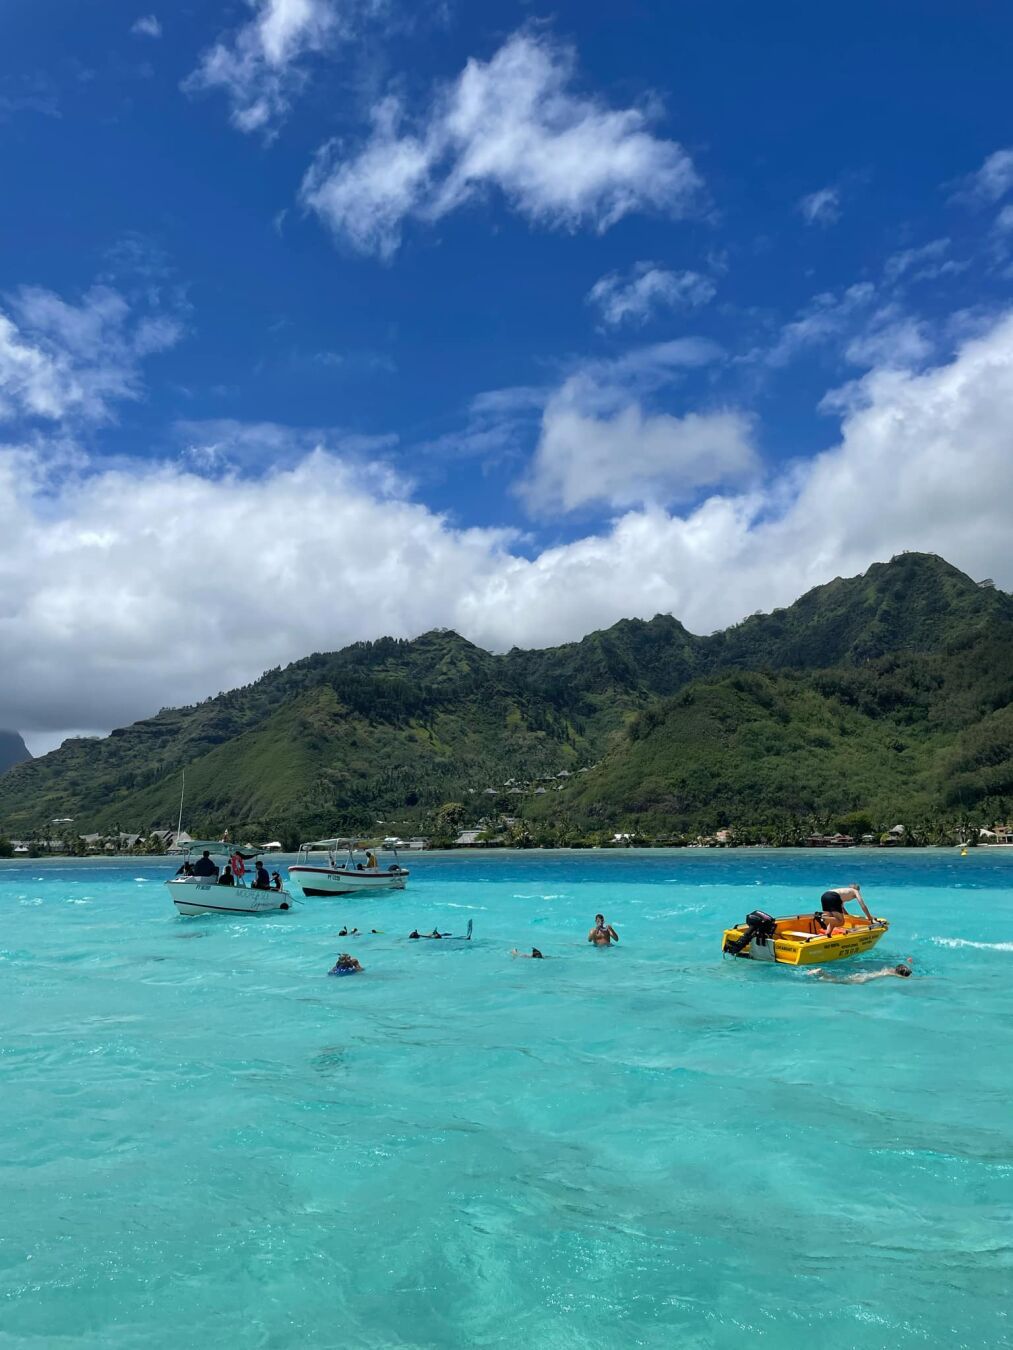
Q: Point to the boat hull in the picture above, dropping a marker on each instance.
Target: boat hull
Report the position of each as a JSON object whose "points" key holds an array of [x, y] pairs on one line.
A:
{"points": [[192, 896], [798, 942], [326, 881]]}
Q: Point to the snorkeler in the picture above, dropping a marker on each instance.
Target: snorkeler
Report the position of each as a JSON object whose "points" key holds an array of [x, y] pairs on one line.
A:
{"points": [[345, 965], [602, 934], [903, 971], [533, 955], [461, 937]]}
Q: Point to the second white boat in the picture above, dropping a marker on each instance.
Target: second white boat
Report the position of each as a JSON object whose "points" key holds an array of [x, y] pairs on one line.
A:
{"points": [[348, 876]]}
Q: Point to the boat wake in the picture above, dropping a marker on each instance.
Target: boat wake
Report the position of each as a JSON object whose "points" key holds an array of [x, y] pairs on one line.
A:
{"points": [[966, 942]]}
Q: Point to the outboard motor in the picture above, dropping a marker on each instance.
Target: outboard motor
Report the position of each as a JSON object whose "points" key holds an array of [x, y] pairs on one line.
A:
{"points": [[760, 928]]}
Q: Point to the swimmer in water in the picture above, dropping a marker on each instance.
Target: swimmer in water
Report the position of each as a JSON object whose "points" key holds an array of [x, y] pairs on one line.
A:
{"points": [[602, 934], [434, 934], [344, 963], [902, 971], [533, 955]]}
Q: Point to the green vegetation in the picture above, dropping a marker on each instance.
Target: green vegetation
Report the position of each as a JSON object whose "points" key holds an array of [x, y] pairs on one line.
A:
{"points": [[883, 698]]}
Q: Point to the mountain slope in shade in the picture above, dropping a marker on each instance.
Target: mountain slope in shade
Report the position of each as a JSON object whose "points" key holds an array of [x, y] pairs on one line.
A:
{"points": [[393, 728], [12, 750]]}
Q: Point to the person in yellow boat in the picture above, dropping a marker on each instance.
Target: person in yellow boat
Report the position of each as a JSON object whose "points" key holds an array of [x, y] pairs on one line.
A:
{"points": [[832, 903]]}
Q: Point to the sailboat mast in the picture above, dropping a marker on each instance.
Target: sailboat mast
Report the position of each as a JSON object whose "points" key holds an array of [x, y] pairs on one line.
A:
{"points": [[179, 823]]}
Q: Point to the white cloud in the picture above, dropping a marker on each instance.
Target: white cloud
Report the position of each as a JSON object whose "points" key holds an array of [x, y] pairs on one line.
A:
{"points": [[647, 288], [100, 601], [631, 457], [1004, 221], [261, 65], [146, 26], [822, 207], [926, 260], [993, 180], [892, 340], [59, 360], [560, 158], [598, 445], [827, 316]]}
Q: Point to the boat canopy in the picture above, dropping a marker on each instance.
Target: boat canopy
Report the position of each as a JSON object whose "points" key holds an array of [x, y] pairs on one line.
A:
{"points": [[223, 847], [332, 845]]}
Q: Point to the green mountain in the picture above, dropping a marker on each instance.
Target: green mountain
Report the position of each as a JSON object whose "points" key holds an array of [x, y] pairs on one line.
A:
{"points": [[12, 750], [886, 693]]}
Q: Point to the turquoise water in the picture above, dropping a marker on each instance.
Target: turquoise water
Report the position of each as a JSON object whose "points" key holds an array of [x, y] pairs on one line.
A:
{"points": [[206, 1141]]}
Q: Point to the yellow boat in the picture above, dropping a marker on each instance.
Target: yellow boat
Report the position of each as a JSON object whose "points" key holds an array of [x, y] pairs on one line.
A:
{"points": [[799, 941]]}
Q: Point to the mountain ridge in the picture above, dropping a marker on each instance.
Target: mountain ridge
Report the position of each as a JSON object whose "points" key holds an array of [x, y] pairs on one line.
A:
{"points": [[394, 727]]}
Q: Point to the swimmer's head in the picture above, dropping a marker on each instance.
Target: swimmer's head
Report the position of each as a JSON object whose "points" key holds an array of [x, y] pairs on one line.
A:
{"points": [[902, 970], [537, 954], [599, 919]]}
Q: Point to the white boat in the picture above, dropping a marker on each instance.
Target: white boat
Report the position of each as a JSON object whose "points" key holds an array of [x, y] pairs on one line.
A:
{"points": [[205, 895], [344, 877]]}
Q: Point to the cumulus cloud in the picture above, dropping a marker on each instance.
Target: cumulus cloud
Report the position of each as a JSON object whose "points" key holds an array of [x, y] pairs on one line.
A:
{"points": [[146, 26], [100, 601], [631, 457], [647, 288], [60, 360], [514, 124], [261, 65], [822, 207]]}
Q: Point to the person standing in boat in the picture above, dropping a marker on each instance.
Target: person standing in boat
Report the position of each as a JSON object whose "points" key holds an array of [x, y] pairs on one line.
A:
{"points": [[832, 904]]}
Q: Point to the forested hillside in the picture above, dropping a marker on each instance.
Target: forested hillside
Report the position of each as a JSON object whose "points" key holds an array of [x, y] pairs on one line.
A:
{"points": [[886, 693]]}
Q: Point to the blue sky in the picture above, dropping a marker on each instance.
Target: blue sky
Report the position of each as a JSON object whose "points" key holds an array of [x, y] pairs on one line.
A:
{"points": [[510, 319]]}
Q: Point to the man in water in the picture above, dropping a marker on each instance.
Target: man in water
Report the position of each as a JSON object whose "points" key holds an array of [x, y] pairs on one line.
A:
{"points": [[832, 903], [533, 955], [602, 934], [903, 971]]}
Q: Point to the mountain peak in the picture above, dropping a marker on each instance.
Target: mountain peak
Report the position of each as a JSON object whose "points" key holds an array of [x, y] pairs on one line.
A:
{"points": [[12, 750]]}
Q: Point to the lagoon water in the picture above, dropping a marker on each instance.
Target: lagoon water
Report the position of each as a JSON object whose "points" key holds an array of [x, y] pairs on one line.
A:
{"points": [[207, 1141]]}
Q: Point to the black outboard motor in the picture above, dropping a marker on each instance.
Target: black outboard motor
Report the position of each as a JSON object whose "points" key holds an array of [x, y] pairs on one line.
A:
{"points": [[760, 928]]}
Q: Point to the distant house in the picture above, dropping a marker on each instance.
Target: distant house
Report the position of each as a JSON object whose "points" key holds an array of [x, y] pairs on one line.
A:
{"points": [[467, 839]]}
